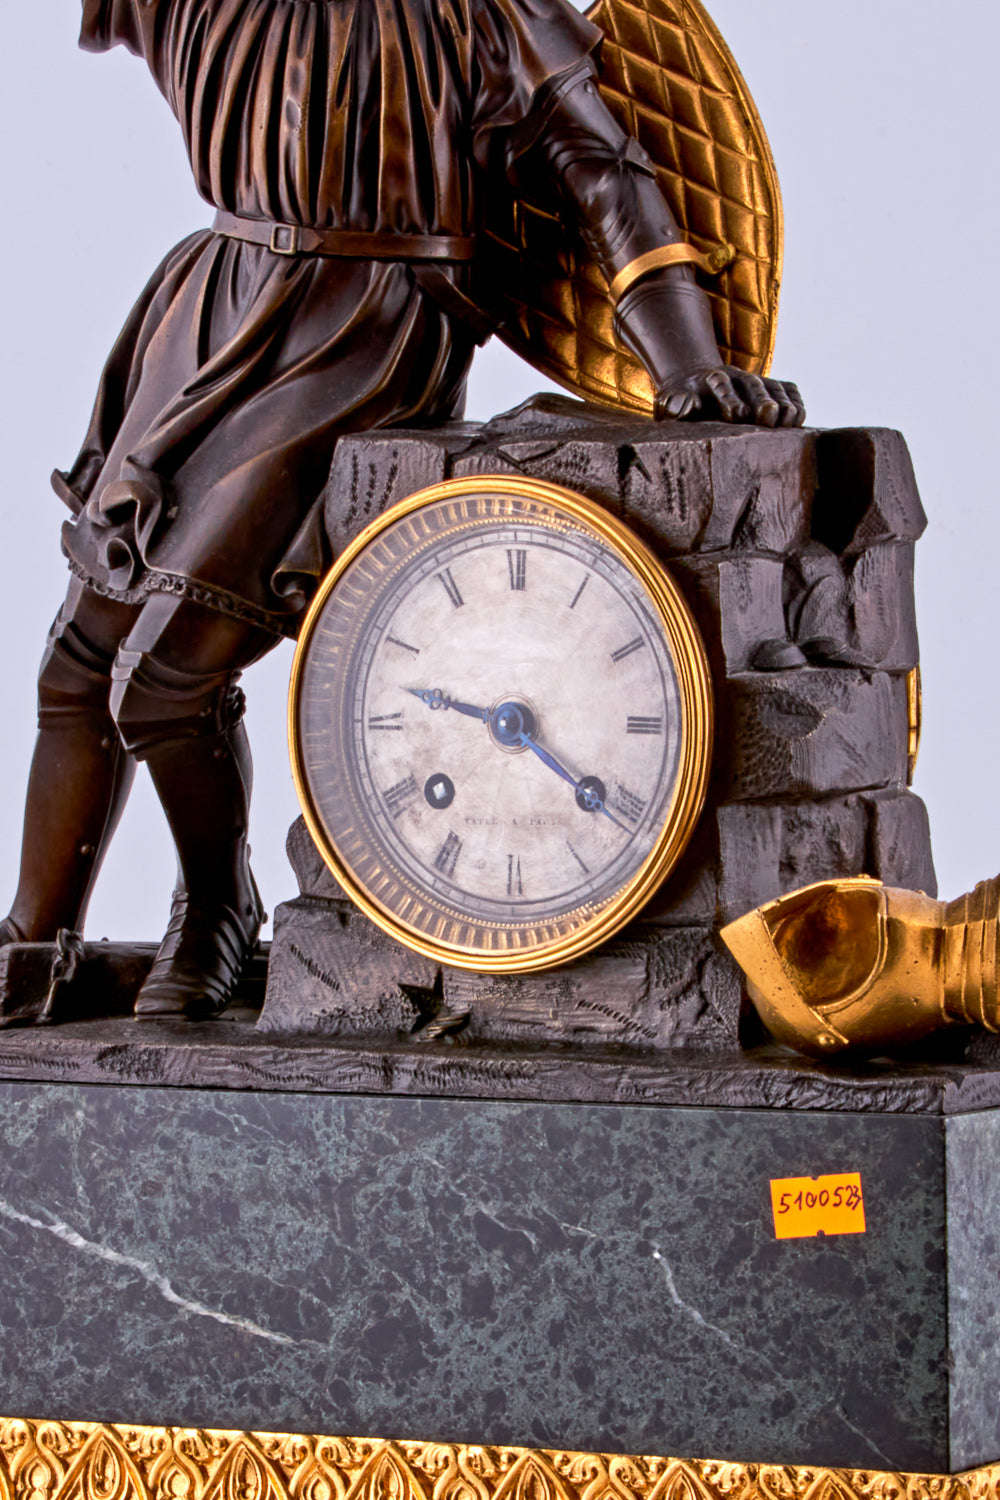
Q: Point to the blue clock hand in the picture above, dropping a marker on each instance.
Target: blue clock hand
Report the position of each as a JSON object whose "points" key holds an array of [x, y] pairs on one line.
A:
{"points": [[593, 802], [434, 698], [548, 760], [507, 722]]}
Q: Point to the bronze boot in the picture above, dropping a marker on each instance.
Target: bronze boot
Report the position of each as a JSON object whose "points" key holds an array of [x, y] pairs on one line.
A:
{"points": [[216, 914]]}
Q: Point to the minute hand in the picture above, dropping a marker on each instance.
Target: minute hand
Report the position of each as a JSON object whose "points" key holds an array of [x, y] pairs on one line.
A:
{"points": [[595, 802]]}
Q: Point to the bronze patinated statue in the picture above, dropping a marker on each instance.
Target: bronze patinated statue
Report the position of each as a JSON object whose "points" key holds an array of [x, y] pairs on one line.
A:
{"points": [[346, 148]]}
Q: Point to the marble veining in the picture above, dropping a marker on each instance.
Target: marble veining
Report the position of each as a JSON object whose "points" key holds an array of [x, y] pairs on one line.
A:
{"points": [[595, 1277], [115, 1258], [973, 1150]]}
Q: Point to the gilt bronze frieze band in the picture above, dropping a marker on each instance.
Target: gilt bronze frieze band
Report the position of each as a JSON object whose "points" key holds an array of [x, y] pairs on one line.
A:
{"points": [[90, 1461]]}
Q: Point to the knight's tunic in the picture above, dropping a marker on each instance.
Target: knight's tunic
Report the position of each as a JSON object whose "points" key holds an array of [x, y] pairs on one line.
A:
{"points": [[238, 368]]}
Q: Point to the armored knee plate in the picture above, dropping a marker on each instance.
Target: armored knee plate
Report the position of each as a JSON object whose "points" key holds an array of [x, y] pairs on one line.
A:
{"points": [[75, 677], [156, 704]]}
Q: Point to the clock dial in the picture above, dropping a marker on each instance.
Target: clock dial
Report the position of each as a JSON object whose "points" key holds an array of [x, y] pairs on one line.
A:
{"points": [[500, 723], [539, 676]]}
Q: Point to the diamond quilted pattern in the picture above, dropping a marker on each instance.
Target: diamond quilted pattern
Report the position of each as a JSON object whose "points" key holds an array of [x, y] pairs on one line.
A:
{"points": [[669, 79]]}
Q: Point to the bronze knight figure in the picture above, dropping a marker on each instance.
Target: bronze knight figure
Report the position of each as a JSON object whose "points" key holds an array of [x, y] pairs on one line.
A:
{"points": [[346, 146]]}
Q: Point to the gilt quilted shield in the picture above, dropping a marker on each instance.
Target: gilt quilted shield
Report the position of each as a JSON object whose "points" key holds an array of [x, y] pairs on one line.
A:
{"points": [[670, 80]]}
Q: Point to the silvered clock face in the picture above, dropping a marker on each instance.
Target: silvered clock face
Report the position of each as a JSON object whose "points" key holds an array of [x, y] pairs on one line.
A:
{"points": [[492, 723]]}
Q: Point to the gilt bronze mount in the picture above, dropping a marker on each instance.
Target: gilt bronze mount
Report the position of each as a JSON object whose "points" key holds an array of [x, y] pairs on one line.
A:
{"points": [[53, 1460], [854, 964]]}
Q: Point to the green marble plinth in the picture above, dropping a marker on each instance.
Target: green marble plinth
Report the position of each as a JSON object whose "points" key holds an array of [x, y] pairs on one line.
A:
{"points": [[588, 1276]]}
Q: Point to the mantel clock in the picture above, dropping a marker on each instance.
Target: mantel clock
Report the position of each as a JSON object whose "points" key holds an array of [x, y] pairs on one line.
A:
{"points": [[500, 723]]}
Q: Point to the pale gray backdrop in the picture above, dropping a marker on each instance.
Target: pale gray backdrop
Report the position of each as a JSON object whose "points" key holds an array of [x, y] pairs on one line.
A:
{"points": [[882, 118]]}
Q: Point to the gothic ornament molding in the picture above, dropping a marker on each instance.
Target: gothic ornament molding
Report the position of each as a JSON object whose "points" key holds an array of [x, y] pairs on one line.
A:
{"points": [[42, 1460]]}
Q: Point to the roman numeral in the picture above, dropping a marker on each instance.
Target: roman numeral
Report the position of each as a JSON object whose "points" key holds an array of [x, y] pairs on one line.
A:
{"points": [[394, 641], [628, 649], [450, 587], [515, 885], [399, 795], [386, 721], [640, 725], [627, 803], [579, 593], [517, 567], [583, 866], [447, 855]]}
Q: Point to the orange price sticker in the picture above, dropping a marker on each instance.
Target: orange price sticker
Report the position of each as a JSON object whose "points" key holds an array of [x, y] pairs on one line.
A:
{"points": [[807, 1206]]}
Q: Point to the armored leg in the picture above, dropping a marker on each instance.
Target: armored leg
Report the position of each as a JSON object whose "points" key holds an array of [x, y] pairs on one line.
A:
{"points": [[80, 774], [177, 707]]}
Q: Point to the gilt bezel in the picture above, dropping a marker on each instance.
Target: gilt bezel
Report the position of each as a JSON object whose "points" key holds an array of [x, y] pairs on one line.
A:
{"points": [[432, 927]]}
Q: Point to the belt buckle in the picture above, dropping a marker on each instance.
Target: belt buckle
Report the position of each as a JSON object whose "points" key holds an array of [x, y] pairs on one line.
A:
{"points": [[285, 239]]}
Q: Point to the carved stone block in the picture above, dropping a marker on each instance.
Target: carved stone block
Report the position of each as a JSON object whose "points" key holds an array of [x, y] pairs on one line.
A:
{"points": [[900, 842], [667, 490], [649, 987], [824, 840], [763, 484], [749, 857], [816, 598], [855, 612], [336, 973], [794, 551], [372, 470], [313, 875], [586, 465], [690, 894], [814, 732], [738, 603], [866, 490], [883, 616], [767, 849]]}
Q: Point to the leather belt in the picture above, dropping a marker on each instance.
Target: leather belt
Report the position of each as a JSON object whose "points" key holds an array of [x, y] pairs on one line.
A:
{"points": [[299, 239]]}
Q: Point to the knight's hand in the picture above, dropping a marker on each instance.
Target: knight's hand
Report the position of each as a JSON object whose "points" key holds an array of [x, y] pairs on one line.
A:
{"points": [[726, 394], [666, 321]]}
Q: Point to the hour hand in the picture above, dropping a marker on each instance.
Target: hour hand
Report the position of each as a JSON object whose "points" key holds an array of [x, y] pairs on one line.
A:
{"points": [[434, 698]]}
